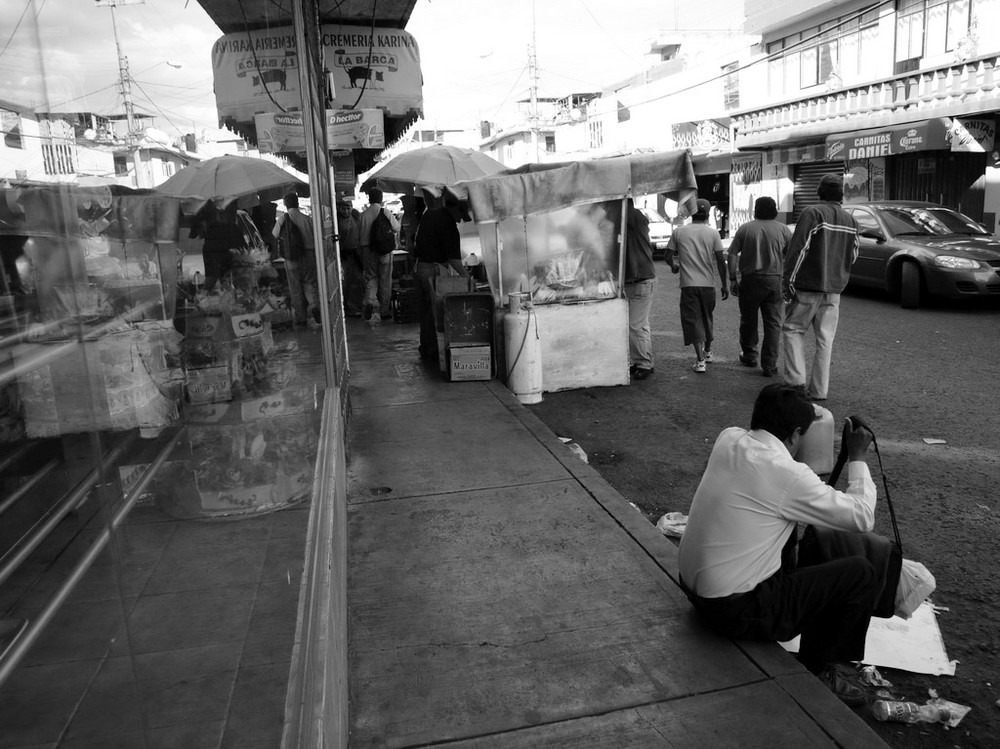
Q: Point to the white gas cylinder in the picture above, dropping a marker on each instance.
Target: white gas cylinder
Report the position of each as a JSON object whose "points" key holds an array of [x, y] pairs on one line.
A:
{"points": [[816, 447], [524, 355]]}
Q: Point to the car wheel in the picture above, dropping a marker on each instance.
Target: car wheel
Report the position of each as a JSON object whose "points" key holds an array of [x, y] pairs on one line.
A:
{"points": [[910, 286]]}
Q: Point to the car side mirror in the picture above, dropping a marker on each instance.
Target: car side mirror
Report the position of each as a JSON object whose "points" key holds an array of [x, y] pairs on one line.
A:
{"points": [[873, 234]]}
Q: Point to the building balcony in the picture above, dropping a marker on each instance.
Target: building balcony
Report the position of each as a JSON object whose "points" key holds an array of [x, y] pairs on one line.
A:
{"points": [[963, 88]]}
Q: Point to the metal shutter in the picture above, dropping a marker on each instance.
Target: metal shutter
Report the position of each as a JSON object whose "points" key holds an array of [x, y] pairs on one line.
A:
{"points": [[807, 178]]}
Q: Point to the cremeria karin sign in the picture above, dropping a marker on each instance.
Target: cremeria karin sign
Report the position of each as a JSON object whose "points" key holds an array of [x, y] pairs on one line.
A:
{"points": [[257, 71]]}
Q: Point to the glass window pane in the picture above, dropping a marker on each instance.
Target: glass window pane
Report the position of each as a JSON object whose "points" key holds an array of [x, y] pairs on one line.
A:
{"points": [[809, 67], [958, 22], [936, 27], [792, 73], [849, 47]]}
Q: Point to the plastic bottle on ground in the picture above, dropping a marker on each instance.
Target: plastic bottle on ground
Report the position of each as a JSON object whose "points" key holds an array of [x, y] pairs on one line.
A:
{"points": [[909, 712]]}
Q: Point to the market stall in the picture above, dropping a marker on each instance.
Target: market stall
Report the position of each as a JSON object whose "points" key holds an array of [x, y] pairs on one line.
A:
{"points": [[554, 234]]}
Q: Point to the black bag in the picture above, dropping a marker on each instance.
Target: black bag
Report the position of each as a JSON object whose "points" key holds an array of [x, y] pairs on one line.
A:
{"points": [[381, 238], [291, 245], [818, 545]]}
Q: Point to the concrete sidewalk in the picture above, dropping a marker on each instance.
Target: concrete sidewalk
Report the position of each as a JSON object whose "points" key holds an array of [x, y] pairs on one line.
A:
{"points": [[501, 593]]}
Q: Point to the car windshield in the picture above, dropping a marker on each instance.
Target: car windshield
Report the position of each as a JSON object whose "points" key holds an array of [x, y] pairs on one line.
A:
{"points": [[652, 216], [929, 220]]}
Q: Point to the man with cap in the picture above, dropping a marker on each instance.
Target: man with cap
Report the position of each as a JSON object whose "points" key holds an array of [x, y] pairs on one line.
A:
{"points": [[817, 267], [437, 245], [756, 260], [693, 248]]}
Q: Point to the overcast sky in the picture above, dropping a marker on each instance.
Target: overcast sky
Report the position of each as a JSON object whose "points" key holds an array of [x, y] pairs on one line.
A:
{"points": [[60, 54]]}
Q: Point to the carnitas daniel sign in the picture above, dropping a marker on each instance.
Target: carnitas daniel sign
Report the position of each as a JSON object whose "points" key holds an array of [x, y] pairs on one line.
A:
{"points": [[924, 136], [257, 71]]}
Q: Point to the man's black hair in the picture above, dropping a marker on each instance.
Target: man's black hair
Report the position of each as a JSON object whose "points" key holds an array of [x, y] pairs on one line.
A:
{"points": [[291, 200], [375, 195], [782, 409], [765, 209]]}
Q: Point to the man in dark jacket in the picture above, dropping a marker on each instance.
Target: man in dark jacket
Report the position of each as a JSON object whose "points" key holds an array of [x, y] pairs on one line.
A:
{"points": [[640, 280], [437, 246], [757, 252], [817, 268]]}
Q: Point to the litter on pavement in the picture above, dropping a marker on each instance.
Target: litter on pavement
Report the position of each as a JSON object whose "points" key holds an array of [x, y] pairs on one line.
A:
{"points": [[672, 524]]}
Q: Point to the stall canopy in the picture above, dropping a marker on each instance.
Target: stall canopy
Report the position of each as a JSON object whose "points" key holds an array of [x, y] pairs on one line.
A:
{"points": [[539, 188]]}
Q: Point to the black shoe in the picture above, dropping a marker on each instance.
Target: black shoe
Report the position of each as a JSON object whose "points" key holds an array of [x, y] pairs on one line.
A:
{"points": [[770, 372], [369, 311], [641, 373], [843, 685], [748, 360]]}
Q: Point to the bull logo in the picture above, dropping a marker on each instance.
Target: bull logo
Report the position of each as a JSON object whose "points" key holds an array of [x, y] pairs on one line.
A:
{"points": [[267, 77]]}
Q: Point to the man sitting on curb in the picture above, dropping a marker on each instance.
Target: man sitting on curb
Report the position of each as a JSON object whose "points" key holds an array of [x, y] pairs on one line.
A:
{"points": [[736, 558]]}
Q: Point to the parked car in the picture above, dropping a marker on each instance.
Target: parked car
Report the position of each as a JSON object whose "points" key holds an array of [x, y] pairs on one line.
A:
{"points": [[913, 249], [659, 232]]}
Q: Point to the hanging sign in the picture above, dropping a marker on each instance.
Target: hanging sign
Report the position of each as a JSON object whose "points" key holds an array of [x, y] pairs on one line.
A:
{"points": [[257, 71], [973, 135], [345, 128]]}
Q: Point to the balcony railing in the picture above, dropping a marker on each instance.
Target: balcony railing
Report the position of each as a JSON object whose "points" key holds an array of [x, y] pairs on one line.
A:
{"points": [[959, 89]]}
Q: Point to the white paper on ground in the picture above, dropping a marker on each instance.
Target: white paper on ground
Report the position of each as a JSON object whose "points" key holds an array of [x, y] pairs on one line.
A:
{"points": [[913, 644]]}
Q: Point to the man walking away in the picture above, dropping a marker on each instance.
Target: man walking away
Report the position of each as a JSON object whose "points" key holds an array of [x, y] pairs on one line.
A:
{"points": [[756, 259], [351, 262], [377, 267], [736, 559], [293, 231], [640, 280], [817, 268], [692, 249]]}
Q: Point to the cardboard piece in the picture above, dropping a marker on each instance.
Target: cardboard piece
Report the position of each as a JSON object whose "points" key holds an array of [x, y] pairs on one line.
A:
{"points": [[913, 644]]}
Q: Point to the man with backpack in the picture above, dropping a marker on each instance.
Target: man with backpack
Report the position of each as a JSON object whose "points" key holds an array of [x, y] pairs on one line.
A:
{"points": [[378, 229], [293, 231]]}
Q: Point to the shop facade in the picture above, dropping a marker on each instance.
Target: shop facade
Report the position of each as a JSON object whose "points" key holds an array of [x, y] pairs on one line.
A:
{"points": [[172, 516], [916, 121]]}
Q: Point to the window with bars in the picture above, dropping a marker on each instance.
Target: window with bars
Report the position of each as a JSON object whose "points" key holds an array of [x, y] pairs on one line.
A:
{"points": [[596, 130], [731, 86]]}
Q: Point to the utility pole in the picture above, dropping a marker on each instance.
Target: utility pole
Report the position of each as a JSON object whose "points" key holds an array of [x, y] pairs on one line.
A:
{"points": [[533, 75], [124, 79]]}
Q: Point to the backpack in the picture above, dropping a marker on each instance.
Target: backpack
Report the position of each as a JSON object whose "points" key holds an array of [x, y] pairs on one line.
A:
{"points": [[290, 242], [381, 238]]}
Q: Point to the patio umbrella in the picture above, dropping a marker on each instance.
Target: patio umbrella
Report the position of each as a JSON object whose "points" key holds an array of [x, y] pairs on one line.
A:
{"points": [[436, 165], [231, 177]]}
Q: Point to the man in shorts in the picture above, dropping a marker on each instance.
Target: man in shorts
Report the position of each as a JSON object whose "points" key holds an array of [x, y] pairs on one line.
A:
{"points": [[692, 250]]}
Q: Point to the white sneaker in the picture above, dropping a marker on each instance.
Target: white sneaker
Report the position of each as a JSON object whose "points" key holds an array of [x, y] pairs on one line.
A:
{"points": [[708, 356], [699, 366]]}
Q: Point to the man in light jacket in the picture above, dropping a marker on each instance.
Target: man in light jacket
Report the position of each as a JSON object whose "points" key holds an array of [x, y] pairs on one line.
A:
{"points": [[817, 267]]}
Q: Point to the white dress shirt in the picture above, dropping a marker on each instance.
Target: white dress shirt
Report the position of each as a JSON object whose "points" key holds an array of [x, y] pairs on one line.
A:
{"points": [[747, 504]]}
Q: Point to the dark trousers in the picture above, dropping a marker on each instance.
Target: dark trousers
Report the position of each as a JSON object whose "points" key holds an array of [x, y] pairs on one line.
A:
{"points": [[761, 294], [426, 273], [828, 604]]}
